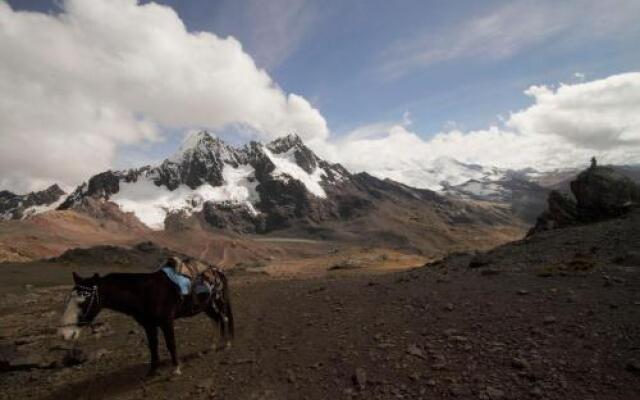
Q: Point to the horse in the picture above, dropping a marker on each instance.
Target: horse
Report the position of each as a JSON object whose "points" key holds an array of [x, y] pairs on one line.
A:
{"points": [[153, 301]]}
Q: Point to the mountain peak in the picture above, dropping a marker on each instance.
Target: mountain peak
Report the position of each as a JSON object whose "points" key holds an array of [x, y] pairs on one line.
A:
{"points": [[285, 143], [54, 189], [193, 139], [201, 142], [16, 206]]}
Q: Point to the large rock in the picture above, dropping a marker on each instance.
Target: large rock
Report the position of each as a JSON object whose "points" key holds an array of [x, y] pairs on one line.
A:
{"points": [[562, 211], [602, 192]]}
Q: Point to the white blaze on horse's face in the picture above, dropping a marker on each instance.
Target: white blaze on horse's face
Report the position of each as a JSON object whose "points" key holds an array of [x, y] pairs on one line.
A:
{"points": [[69, 328]]}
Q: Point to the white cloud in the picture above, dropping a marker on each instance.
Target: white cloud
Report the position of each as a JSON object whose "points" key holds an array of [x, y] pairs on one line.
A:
{"points": [[563, 128], [277, 28], [106, 73], [599, 115], [507, 30], [79, 85]]}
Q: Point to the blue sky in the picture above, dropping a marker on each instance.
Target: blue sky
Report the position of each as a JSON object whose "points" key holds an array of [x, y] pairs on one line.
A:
{"points": [[334, 48], [329, 52], [506, 83]]}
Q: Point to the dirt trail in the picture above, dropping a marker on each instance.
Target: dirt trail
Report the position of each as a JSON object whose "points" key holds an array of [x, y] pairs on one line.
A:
{"points": [[431, 333]]}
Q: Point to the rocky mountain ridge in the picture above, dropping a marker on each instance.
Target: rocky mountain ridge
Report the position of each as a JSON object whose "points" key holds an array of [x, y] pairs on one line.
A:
{"points": [[258, 188], [255, 184], [15, 206], [284, 186]]}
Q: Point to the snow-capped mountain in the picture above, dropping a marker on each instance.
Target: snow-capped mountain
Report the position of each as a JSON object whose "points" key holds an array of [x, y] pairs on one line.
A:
{"points": [[516, 189], [438, 174], [283, 185], [207, 175], [15, 206], [525, 198]]}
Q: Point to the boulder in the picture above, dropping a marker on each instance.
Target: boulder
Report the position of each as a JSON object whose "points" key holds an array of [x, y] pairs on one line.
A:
{"points": [[561, 211], [600, 193], [603, 192]]}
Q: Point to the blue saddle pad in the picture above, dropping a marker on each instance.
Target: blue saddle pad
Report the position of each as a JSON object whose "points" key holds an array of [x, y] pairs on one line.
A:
{"points": [[182, 281]]}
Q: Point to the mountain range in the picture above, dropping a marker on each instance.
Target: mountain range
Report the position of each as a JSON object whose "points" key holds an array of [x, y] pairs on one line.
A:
{"points": [[283, 187]]}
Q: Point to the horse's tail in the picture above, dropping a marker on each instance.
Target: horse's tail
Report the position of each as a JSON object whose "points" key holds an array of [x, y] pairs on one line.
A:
{"points": [[229, 320], [228, 312]]}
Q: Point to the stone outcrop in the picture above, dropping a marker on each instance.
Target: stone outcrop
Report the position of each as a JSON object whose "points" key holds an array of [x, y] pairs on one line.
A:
{"points": [[602, 192], [599, 192]]}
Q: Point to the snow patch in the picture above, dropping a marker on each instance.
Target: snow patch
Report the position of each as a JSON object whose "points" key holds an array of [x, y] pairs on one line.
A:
{"points": [[482, 189], [151, 203], [33, 210], [432, 175], [286, 166]]}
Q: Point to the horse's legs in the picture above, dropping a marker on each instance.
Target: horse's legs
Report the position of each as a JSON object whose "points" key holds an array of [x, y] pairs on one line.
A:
{"points": [[170, 340], [228, 319], [216, 322], [152, 342]]}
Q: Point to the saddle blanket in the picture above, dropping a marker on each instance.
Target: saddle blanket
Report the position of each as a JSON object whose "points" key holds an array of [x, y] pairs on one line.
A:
{"points": [[182, 281], [185, 283]]}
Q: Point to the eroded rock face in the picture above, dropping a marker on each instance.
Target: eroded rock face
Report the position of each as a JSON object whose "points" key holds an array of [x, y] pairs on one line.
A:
{"points": [[562, 211], [600, 193], [14, 206], [107, 211], [233, 217]]}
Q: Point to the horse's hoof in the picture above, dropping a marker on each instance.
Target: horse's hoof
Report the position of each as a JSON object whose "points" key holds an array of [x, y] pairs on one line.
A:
{"points": [[152, 373], [177, 371]]}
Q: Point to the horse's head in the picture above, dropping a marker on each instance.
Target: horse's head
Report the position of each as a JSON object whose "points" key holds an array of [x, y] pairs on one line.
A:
{"points": [[83, 304]]}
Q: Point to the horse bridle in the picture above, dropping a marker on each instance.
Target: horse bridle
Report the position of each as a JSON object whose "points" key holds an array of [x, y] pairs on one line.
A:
{"points": [[92, 293]]}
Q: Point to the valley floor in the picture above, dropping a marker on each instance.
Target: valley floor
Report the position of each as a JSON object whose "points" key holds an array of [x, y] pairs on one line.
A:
{"points": [[435, 333]]}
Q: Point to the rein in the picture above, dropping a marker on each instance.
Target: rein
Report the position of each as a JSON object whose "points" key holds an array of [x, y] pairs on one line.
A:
{"points": [[92, 293]]}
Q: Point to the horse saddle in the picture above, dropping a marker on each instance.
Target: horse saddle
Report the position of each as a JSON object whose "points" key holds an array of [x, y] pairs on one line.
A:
{"points": [[193, 277]]}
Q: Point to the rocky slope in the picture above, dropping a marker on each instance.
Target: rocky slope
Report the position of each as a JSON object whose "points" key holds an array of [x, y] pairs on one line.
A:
{"points": [[555, 316], [15, 206]]}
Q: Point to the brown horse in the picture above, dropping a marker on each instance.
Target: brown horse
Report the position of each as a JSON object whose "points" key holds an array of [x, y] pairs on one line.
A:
{"points": [[153, 300]]}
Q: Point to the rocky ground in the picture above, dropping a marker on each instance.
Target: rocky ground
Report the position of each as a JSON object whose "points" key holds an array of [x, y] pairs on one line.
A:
{"points": [[556, 316]]}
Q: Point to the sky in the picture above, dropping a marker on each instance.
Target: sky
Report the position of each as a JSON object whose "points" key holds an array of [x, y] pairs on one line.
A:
{"points": [[385, 87]]}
